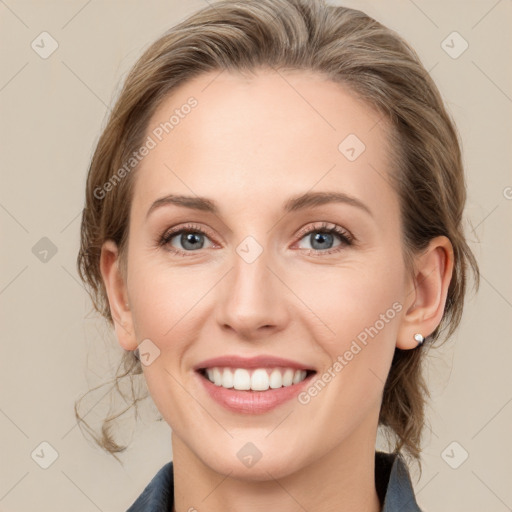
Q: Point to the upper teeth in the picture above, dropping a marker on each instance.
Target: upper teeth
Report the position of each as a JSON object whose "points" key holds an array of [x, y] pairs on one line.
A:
{"points": [[259, 379]]}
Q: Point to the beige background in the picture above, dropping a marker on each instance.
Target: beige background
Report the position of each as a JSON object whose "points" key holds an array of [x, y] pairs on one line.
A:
{"points": [[51, 113]]}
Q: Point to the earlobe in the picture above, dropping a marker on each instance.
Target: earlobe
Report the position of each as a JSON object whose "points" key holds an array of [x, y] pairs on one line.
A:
{"points": [[427, 295], [117, 295]]}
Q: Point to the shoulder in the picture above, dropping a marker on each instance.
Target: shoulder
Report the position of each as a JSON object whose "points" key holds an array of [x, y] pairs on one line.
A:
{"points": [[158, 495], [393, 483]]}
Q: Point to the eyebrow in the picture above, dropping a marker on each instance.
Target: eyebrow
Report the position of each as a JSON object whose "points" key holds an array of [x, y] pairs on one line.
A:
{"points": [[301, 202]]}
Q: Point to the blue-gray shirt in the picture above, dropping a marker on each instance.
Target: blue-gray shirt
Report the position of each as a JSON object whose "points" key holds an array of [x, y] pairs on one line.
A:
{"points": [[392, 482]]}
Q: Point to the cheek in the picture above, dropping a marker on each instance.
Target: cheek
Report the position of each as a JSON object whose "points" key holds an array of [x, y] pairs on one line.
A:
{"points": [[166, 306], [361, 307], [165, 296], [351, 298], [171, 306]]}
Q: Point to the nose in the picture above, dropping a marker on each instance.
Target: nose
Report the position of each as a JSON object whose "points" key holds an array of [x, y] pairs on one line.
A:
{"points": [[253, 300]]}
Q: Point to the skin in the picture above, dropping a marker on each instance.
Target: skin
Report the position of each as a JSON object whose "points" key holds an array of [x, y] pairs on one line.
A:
{"points": [[249, 145]]}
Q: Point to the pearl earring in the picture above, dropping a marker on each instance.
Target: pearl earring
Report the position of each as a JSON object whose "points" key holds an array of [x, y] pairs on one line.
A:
{"points": [[419, 338]]}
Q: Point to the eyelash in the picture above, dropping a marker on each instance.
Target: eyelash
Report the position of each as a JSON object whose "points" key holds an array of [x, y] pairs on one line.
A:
{"points": [[346, 238]]}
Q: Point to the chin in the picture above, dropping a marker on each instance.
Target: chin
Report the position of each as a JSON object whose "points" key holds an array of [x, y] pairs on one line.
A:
{"points": [[250, 463]]}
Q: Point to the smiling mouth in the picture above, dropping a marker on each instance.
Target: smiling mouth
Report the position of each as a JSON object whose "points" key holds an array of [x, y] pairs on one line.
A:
{"points": [[254, 379]]}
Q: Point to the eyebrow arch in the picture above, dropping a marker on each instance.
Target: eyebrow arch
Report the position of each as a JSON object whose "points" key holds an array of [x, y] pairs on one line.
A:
{"points": [[301, 202], [311, 199]]}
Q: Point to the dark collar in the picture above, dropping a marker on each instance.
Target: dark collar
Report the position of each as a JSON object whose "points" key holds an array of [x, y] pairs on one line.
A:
{"points": [[392, 482]]}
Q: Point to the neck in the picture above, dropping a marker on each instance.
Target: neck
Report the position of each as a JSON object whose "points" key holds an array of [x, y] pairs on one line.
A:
{"points": [[342, 480]]}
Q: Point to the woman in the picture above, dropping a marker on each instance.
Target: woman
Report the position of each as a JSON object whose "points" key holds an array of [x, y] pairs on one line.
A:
{"points": [[244, 139]]}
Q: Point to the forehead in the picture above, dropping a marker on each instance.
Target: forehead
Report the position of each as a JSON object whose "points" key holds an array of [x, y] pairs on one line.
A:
{"points": [[262, 137]]}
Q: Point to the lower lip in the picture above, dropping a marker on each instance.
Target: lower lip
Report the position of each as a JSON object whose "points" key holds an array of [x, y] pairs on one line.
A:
{"points": [[253, 402]]}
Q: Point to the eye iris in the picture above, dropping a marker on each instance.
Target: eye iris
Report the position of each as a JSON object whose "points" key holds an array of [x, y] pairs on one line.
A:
{"points": [[191, 238], [321, 237]]}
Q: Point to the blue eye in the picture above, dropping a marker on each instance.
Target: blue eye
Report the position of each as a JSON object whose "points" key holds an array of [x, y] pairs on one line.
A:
{"points": [[322, 237], [192, 238]]}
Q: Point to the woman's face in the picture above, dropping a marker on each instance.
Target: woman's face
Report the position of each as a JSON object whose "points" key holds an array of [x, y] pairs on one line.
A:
{"points": [[260, 275]]}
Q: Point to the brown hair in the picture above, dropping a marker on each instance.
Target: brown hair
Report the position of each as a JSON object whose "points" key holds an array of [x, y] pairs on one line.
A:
{"points": [[346, 46]]}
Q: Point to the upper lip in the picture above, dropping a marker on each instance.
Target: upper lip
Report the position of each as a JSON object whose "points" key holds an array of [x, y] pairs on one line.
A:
{"points": [[251, 362]]}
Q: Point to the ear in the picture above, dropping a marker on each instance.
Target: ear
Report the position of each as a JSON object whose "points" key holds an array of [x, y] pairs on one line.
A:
{"points": [[427, 292], [117, 295]]}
